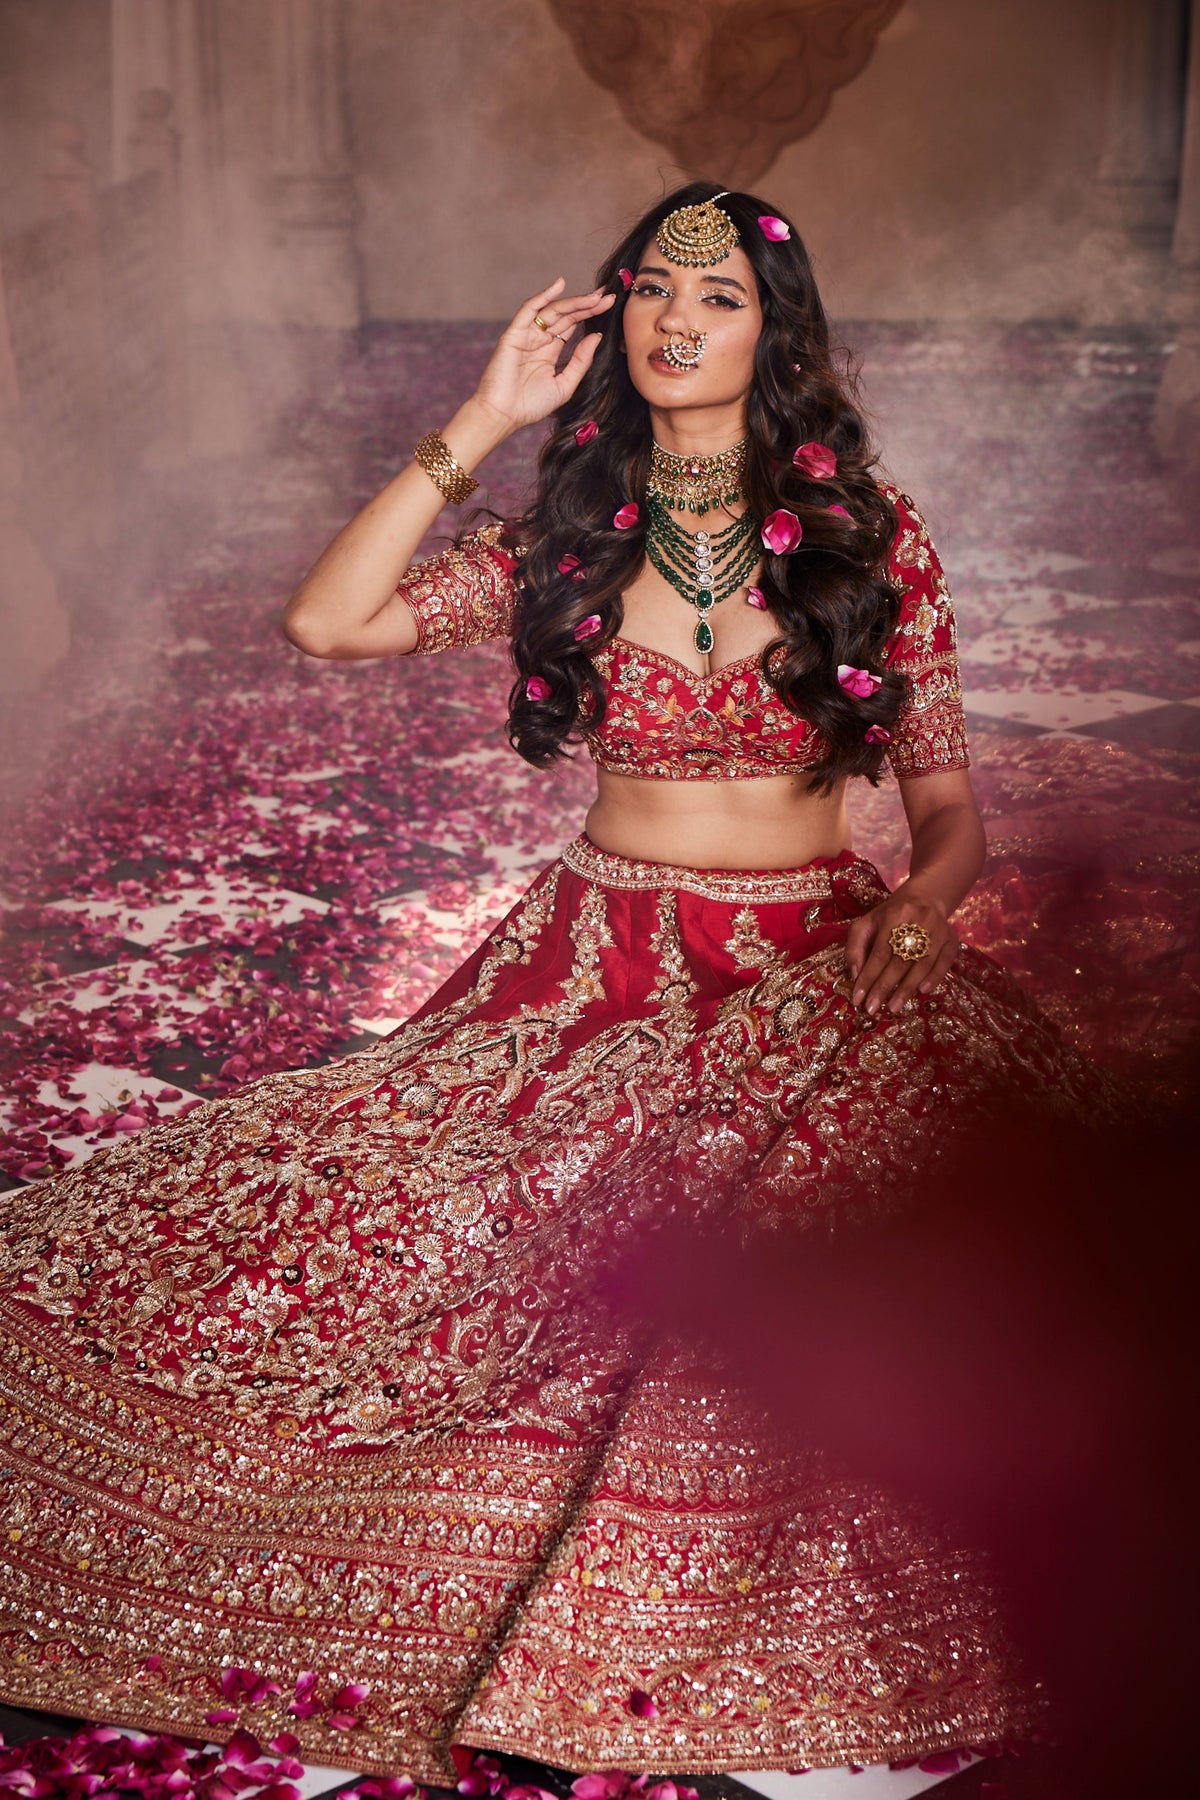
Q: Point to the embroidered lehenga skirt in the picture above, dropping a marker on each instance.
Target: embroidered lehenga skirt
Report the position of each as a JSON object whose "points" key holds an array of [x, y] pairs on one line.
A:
{"points": [[309, 1381]]}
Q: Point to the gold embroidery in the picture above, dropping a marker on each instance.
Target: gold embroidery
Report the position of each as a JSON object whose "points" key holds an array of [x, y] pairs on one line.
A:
{"points": [[311, 1378]]}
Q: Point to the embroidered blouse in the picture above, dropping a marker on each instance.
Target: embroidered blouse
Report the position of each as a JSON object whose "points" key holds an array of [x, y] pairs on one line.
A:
{"points": [[664, 722]]}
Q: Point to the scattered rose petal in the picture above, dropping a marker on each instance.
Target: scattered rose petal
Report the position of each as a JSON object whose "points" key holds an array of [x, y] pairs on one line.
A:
{"points": [[626, 277], [859, 682], [782, 532], [537, 688], [817, 460], [628, 516], [756, 598], [839, 511], [778, 230], [221, 1715], [568, 564], [586, 432], [588, 628], [641, 1705], [877, 734], [353, 1694]]}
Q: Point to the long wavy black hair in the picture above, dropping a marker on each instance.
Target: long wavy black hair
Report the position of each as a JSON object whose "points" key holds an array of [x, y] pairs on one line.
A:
{"points": [[831, 598]]}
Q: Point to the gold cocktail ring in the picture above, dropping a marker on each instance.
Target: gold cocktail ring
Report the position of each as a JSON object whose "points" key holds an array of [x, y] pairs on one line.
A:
{"points": [[909, 942], [540, 322]]}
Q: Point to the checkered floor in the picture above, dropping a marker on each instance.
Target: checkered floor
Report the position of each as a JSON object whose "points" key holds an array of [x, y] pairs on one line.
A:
{"points": [[222, 859]]}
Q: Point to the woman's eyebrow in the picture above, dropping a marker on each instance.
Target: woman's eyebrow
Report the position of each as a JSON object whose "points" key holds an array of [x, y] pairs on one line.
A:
{"points": [[665, 275]]}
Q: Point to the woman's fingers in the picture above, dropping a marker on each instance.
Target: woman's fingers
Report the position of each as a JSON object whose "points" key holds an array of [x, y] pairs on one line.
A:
{"points": [[858, 943], [524, 313]]}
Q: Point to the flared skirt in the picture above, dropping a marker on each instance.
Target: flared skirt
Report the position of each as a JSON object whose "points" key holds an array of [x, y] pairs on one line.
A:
{"points": [[310, 1383]]}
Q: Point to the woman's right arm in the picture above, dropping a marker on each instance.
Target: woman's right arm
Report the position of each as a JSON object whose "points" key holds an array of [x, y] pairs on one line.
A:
{"points": [[347, 605]]}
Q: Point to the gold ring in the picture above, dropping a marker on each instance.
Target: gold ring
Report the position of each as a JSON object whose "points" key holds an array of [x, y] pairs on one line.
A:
{"points": [[909, 942], [540, 322]]}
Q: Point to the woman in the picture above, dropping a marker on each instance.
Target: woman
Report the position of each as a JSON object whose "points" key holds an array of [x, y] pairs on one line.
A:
{"points": [[312, 1386]]}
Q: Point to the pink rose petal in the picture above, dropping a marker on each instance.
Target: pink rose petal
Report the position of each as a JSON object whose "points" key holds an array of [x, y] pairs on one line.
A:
{"points": [[817, 460], [587, 431], [877, 734], [859, 682], [641, 1705], [628, 516], [840, 511], [782, 532], [353, 1694], [626, 276], [588, 628], [756, 598], [778, 230], [537, 688]]}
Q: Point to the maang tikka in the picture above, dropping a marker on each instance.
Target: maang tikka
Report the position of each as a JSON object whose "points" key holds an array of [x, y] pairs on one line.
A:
{"points": [[696, 237]]}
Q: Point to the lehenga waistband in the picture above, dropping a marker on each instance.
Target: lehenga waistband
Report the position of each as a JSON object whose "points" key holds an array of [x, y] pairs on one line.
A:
{"points": [[739, 887]]}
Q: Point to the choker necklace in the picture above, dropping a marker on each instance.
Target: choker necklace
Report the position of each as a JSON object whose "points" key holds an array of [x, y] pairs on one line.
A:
{"points": [[696, 484], [705, 569]]}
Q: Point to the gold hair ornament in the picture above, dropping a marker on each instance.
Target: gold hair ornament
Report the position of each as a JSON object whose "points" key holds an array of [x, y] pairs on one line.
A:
{"points": [[695, 237]]}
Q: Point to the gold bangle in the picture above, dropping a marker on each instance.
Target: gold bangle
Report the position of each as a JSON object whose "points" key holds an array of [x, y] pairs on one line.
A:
{"points": [[449, 476]]}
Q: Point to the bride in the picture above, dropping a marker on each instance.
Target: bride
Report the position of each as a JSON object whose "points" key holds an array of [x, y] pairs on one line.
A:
{"points": [[309, 1402]]}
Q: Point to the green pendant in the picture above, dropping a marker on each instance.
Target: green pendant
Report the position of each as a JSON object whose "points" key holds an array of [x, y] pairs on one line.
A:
{"points": [[702, 637]]}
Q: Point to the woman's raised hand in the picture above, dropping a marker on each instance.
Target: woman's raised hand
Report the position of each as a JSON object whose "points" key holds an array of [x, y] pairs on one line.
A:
{"points": [[523, 381]]}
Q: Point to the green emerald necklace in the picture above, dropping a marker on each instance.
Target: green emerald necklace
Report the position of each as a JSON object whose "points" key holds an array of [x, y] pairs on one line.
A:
{"points": [[704, 569]]}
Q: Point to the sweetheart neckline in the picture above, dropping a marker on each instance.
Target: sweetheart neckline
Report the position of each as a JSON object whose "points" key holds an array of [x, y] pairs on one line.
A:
{"points": [[681, 668]]}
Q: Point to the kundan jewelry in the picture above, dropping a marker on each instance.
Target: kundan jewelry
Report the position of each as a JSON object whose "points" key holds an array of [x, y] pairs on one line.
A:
{"points": [[704, 569], [445, 472], [695, 484], [909, 942], [695, 237], [684, 349]]}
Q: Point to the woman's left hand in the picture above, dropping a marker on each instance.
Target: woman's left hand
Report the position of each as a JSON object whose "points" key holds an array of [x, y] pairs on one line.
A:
{"points": [[881, 978]]}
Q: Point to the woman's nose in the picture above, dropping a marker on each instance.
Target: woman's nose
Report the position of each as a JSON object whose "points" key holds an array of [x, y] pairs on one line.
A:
{"points": [[674, 316]]}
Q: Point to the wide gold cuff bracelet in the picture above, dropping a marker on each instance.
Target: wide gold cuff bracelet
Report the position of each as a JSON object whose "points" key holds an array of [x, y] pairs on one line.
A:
{"points": [[445, 473]]}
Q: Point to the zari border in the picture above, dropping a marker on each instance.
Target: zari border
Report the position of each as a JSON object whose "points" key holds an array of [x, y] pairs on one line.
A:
{"points": [[736, 887]]}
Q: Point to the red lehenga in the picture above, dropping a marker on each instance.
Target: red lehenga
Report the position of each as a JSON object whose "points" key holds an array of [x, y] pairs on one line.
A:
{"points": [[310, 1380]]}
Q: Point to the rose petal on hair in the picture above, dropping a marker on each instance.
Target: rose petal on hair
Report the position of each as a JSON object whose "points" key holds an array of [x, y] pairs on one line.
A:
{"points": [[859, 682], [641, 1705], [817, 460], [778, 230], [587, 431], [839, 510], [756, 598], [626, 277], [568, 564], [588, 628], [877, 734], [628, 516], [782, 532], [537, 688]]}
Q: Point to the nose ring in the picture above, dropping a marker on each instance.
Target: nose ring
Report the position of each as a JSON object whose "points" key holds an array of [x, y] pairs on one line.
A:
{"points": [[684, 349]]}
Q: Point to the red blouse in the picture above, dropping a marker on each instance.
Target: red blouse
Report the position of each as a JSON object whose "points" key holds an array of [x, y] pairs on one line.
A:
{"points": [[663, 722]]}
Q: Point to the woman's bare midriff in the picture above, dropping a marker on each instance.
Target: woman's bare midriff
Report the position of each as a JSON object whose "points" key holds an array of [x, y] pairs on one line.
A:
{"points": [[777, 823]]}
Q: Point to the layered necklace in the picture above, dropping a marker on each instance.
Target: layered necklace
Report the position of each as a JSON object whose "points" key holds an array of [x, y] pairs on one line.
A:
{"points": [[708, 567], [696, 484]]}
